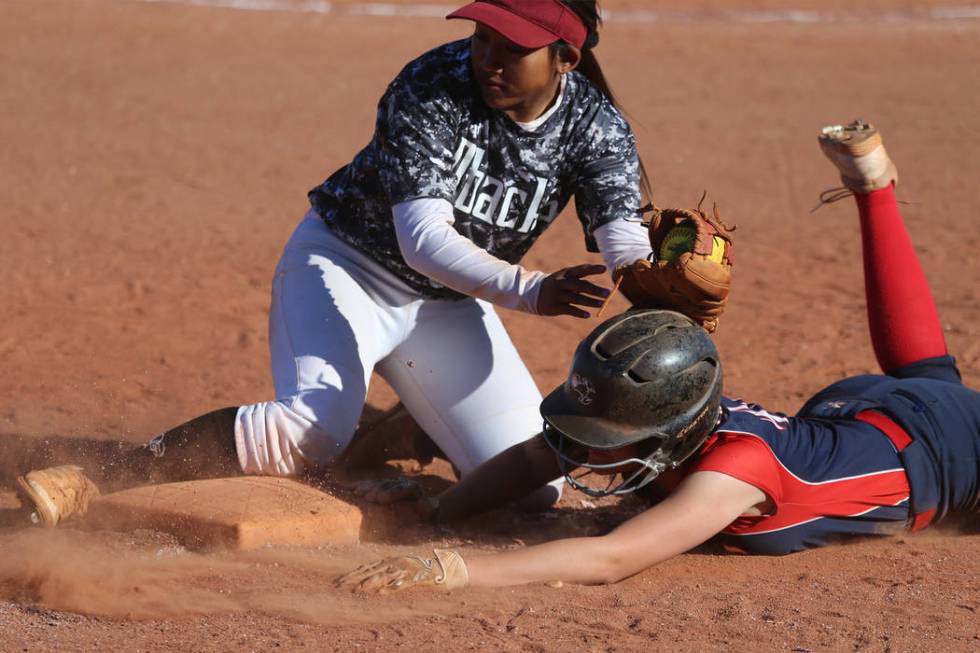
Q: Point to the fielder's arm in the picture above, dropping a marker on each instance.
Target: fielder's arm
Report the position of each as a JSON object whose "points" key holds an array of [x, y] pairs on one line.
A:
{"points": [[430, 245]]}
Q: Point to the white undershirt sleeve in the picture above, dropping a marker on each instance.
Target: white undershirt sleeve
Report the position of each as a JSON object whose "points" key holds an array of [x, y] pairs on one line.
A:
{"points": [[431, 246], [621, 242]]}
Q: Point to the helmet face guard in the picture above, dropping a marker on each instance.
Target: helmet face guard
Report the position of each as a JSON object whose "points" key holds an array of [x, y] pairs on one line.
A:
{"points": [[650, 378], [648, 469]]}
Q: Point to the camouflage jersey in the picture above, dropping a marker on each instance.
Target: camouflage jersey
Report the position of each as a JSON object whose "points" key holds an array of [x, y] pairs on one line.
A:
{"points": [[436, 138]]}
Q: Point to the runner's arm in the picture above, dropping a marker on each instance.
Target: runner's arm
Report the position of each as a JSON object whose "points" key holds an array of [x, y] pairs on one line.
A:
{"points": [[509, 476], [703, 505]]}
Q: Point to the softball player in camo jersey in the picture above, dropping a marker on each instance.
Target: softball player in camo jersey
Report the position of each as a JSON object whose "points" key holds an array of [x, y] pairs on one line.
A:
{"points": [[397, 267]]}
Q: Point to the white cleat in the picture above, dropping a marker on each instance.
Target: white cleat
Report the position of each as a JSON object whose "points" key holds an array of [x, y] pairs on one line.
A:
{"points": [[56, 493], [857, 151]]}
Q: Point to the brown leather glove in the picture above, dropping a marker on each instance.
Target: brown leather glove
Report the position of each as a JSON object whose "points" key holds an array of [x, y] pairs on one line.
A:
{"points": [[445, 570], [693, 270]]}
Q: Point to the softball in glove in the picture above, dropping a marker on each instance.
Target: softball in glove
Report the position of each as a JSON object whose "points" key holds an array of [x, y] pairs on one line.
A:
{"points": [[693, 270]]}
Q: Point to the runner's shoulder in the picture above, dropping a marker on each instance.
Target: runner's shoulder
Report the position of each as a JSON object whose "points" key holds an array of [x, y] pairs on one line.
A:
{"points": [[744, 417]]}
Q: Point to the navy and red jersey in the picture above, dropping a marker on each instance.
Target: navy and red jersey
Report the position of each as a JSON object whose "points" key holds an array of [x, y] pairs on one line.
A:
{"points": [[831, 475], [825, 479]]}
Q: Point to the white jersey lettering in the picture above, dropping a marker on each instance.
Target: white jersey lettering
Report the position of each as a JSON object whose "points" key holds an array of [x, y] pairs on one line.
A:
{"points": [[480, 194], [779, 421]]}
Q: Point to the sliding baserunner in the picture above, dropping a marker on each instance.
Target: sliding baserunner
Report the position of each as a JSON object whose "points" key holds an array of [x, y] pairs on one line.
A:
{"points": [[643, 406]]}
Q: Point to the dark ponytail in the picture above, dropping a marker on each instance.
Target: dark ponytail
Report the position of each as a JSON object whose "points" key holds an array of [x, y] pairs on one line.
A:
{"points": [[588, 12]]}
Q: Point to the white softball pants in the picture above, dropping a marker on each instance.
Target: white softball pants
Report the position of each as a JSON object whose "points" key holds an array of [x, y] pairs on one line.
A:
{"points": [[336, 316]]}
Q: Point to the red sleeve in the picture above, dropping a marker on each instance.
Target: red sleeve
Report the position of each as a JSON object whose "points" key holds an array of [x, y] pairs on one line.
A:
{"points": [[744, 457]]}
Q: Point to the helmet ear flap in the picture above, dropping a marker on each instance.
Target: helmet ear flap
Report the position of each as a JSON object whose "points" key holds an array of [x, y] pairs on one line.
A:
{"points": [[695, 435]]}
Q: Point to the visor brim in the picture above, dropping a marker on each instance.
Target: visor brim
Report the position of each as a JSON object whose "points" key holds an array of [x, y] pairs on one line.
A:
{"points": [[589, 431], [511, 26]]}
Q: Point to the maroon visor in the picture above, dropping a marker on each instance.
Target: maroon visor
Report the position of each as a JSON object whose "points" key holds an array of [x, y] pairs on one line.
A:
{"points": [[530, 24]]}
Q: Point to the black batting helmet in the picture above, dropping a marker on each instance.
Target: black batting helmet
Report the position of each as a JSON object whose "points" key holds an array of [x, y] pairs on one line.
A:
{"points": [[647, 377]]}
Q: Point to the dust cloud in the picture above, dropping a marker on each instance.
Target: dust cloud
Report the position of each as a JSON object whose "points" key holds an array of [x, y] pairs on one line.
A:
{"points": [[120, 577]]}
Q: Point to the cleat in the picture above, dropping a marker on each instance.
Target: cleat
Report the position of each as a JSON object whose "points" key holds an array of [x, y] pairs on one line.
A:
{"points": [[56, 493], [857, 151]]}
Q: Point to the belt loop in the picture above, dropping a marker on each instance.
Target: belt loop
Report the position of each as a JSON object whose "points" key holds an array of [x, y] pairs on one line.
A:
{"points": [[886, 425]]}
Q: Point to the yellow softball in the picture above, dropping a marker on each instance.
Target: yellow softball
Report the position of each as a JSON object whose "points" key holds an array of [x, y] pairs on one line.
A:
{"points": [[682, 238], [717, 249], [678, 240]]}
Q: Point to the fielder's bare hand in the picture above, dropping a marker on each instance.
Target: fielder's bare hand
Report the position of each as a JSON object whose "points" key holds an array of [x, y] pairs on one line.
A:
{"points": [[562, 292]]}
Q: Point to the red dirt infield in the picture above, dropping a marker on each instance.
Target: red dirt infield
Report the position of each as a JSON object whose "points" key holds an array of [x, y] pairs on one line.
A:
{"points": [[157, 155]]}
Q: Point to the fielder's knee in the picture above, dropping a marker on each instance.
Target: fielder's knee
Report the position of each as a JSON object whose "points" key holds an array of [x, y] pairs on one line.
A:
{"points": [[273, 439]]}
